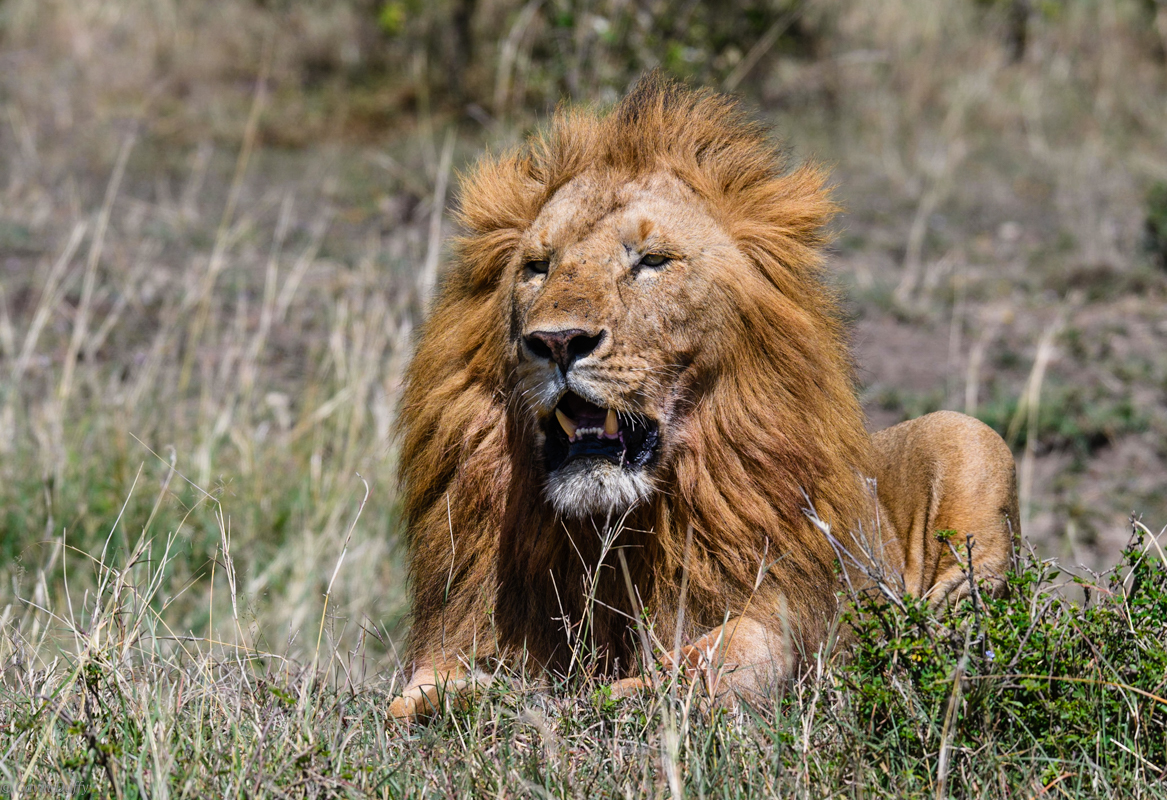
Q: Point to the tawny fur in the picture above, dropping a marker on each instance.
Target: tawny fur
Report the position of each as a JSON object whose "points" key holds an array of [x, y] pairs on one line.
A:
{"points": [[764, 421]]}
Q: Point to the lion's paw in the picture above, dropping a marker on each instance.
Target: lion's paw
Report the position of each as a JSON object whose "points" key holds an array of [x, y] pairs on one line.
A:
{"points": [[628, 687], [421, 702]]}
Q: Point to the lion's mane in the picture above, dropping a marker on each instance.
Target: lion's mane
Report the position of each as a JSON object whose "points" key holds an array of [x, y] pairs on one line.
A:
{"points": [[494, 572]]}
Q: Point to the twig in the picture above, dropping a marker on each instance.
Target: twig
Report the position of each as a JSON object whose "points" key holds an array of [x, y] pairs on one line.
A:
{"points": [[81, 321], [336, 571], [215, 265], [429, 272], [1069, 679], [508, 52], [1027, 409], [49, 297], [762, 46]]}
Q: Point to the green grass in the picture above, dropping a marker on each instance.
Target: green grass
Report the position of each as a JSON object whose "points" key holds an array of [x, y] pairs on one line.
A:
{"points": [[1000, 697]]}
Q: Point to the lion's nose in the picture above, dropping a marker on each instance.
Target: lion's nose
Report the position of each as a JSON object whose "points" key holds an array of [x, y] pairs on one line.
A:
{"points": [[562, 347]]}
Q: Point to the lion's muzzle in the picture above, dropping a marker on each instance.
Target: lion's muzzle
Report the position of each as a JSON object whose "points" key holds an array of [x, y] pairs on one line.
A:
{"points": [[596, 457], [581, 430]]}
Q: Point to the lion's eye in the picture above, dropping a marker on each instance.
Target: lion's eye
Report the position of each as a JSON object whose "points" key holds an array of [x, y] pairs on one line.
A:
{"points": [[653, 260], [539, 266]]}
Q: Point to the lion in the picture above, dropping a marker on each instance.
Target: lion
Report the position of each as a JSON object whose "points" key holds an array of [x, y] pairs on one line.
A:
{"points": [[631, 418]]}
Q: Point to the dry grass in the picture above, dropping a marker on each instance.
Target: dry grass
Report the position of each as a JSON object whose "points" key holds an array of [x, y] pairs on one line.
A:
{"points": [[211, 348], [202, 337]]}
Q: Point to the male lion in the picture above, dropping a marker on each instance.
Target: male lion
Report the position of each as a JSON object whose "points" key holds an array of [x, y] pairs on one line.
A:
{"points": [[633, 407]]}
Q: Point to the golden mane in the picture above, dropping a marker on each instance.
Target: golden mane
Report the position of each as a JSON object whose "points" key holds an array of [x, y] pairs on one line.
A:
{"points": [[494, 571]]}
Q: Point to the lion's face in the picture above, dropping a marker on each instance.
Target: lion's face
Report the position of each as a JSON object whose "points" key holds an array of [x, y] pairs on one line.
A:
{"points": [[619, 292]]}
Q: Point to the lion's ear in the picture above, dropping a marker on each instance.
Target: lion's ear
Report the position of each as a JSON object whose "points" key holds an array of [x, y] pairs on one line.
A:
{"points": [[565, 149], [783, 221], [501, 196], [499, 193], [499, 200]]}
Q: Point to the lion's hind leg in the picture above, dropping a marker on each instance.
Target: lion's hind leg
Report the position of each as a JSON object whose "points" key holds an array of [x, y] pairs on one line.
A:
{"points": [[949, 474]]}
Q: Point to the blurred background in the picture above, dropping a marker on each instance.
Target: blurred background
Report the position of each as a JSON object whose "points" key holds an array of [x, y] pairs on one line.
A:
{"points": [[220, 220]]}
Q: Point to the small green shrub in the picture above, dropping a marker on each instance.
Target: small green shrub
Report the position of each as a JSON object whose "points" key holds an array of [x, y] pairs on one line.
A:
{"points": [[1030, 673]]}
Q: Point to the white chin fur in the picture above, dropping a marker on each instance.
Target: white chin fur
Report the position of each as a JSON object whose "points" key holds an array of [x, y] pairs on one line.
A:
{"points": [[589, 486]]}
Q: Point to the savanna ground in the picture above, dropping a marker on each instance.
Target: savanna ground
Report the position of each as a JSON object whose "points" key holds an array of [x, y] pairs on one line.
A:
{"points": [[220, 222]]}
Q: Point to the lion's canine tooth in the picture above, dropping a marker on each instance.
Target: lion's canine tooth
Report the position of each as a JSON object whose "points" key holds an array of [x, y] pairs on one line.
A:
{"points": [[566, 423], [611, 425]]}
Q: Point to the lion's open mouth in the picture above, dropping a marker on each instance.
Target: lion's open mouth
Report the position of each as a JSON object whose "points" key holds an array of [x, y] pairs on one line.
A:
{"points": [[580, 429]]}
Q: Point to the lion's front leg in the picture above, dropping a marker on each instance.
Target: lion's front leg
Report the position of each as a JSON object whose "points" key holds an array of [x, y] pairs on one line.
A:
{"points": [[739, 659], [432, 689], [947, 472]]}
